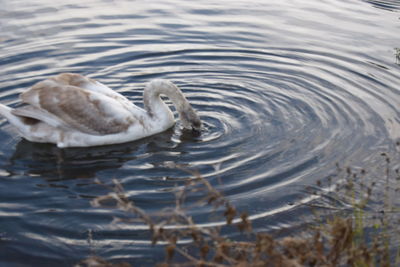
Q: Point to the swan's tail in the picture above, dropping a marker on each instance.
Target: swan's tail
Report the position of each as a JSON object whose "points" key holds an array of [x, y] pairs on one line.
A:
{"points": [[6, 112]]}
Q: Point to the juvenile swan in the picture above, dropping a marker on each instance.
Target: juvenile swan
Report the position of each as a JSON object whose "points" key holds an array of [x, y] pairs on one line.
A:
{"points": [[71, 110]]}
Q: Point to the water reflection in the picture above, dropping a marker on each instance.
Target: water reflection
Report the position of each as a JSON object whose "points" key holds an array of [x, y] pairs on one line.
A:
{"points": [[391, 5], [54, 164]]}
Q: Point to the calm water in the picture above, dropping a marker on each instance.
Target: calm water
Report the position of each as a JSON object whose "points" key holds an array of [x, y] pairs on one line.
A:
{"points": [[285, 90]]}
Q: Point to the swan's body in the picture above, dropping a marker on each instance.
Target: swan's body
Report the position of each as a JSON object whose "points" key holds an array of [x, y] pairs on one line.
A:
{"points": [[71, 110]]}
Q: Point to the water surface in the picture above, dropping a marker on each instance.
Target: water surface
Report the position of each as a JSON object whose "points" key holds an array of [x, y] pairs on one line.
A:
{"points": [[285, 91]]}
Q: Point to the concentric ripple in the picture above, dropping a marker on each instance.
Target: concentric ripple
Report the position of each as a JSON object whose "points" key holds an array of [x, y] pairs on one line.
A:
{"points": [[284, 92]]}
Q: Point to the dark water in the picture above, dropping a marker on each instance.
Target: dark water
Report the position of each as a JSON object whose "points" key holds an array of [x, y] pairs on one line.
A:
{"points": [[285, 90]]}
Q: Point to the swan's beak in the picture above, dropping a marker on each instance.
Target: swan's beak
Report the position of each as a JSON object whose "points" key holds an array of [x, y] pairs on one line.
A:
{"points": [[193, 129], [191, 120], [196, 126], [194, 122]]}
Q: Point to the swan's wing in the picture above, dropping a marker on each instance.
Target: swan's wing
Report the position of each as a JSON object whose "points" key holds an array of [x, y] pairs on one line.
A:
{"points": [[89, 84], [79, 109]]}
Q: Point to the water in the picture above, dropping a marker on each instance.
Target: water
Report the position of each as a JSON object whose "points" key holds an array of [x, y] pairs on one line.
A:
{"points": [[285, 91]]}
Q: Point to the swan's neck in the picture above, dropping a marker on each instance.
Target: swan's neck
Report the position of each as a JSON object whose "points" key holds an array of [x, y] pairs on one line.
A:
{"points": [[157, 109]]}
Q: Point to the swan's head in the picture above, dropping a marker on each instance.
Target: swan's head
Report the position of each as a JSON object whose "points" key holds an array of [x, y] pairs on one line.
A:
{"points": [[190, 120]]}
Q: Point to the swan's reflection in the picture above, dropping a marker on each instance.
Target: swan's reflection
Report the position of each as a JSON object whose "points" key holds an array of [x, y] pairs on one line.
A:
{"points": [[53, 163]]}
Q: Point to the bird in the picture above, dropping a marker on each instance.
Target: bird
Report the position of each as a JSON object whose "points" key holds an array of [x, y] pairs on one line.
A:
{"points": [[72, 110]]}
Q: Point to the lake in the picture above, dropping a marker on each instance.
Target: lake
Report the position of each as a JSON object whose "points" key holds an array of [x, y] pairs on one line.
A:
{"points": [[285, 90]]}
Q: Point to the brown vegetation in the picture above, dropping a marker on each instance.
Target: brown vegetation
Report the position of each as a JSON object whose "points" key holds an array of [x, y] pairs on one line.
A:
{"points": [[341, 237]]}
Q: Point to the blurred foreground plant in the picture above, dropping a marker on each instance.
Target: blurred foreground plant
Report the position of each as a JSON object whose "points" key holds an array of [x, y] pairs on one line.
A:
{"points": [[343, 234]]}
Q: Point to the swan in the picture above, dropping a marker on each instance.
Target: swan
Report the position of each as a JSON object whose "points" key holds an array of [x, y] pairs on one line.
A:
{"points": [[71, 110]]}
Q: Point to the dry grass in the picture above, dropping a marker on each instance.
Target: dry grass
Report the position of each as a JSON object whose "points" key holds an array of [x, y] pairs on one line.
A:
{"points": [[357, 235]]}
